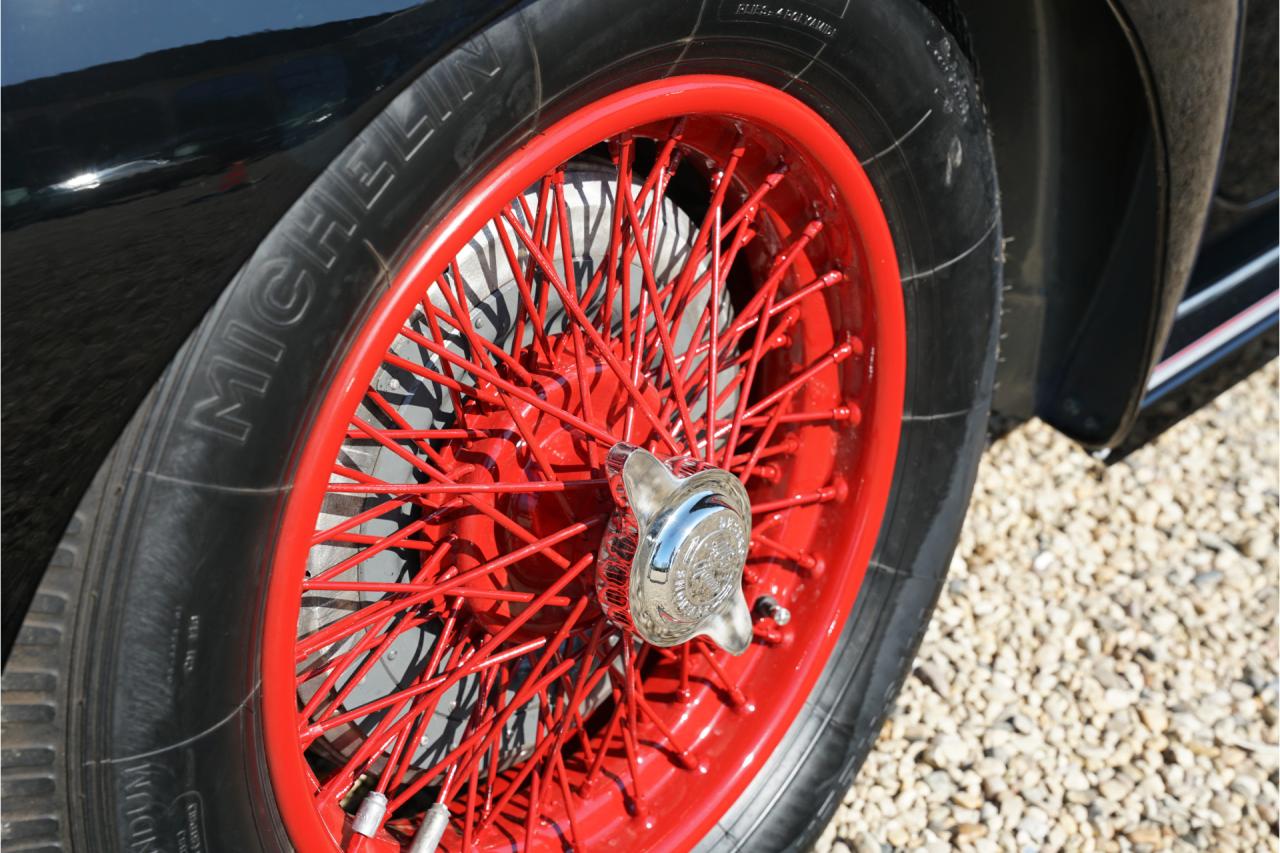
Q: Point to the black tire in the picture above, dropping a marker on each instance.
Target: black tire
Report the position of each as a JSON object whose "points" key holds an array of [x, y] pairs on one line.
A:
{"points": [[131, 697]]}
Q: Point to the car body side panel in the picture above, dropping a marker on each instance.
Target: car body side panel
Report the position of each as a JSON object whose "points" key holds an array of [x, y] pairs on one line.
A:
{"points": [[148, 147]]}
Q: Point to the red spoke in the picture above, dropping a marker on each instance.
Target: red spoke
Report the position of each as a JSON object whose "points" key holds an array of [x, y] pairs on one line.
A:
{"points": [[842, 414], [428, 590], [660, 321], [767, 292], [488, 347], [431, 434], [353, 474], [502, 385], [342, 628], [396, 418], [826, 493], [736, 696], [751, 315], [530, 765], [371, 653], [527, 305], [390, 727], [619, 273], [713, 370], [433, 323], [710, 222], [631, 721], [777, 339], [367, 539], [762, 441], [428, 569], [803, 559], [484, 654], [572, 306], [499, 518], [764, 450], [536, 486], [356, 520], [533, 685], [836, 355], [461, 311], [579, 351], [383, 544]]}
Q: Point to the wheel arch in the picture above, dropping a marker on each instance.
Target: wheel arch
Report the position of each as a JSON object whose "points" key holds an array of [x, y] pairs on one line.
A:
{"points": [[1104, 192]]}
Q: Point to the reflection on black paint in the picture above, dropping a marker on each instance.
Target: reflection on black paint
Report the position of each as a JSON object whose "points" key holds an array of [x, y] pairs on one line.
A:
{"points": [[132, 192]]}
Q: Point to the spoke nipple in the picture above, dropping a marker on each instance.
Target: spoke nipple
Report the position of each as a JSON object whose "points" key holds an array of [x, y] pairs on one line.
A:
{"points": [[769, 473], [768, 607], [768, 636], [431, 830], [369, 817], [841, 489], [739, 702]]}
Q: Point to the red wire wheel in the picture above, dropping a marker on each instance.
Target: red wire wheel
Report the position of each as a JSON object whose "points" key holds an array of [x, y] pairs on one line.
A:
{"points": [[697, 266]]}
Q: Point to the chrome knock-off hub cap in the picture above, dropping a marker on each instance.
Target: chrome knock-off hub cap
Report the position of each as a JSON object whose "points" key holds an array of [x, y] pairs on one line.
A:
{"points": [[670, 566]]}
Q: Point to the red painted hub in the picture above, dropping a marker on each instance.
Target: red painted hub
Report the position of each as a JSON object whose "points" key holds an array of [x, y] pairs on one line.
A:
{"points": [[432, 635], [562, 380]]}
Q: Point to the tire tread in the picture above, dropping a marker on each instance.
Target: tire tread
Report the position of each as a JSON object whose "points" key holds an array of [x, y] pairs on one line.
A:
{"points": [[34, 772]]}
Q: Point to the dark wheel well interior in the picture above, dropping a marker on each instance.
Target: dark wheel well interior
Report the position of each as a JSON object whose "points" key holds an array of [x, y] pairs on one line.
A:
{"points": [[1074, 138]]}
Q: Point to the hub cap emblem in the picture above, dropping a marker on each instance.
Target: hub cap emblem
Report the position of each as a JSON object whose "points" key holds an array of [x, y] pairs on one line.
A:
{"points": [[671, 562]]}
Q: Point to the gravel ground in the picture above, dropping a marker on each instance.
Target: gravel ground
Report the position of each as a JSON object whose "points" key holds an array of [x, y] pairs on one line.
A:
{"points": [[1101, 672]]}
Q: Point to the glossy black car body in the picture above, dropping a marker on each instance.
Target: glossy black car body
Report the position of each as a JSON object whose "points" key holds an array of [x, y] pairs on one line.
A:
{"points": [[148, 147]]}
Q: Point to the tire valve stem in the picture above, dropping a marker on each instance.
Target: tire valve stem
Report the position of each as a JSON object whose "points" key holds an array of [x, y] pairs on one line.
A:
{"points": [[373, 808], [768, 607], [431, 830]]}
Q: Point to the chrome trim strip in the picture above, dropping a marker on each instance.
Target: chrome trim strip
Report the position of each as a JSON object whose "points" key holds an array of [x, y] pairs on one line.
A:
{"points": [[1207, 344], [1226, 283]]}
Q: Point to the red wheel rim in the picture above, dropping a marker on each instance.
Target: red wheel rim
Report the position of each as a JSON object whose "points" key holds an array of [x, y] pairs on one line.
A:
{"points": [[812, 427]]}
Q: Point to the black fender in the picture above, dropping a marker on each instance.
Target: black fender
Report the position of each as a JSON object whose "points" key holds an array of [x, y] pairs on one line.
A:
{"points": [[148, 150]]}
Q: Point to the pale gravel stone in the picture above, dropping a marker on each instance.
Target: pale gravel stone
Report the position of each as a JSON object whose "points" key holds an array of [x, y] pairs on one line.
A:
{"points": [[1101, 673]]}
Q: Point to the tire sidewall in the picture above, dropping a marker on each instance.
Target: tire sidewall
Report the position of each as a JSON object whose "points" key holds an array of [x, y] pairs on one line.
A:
{"points": [[170, 738]]}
